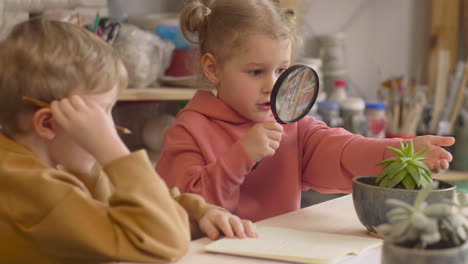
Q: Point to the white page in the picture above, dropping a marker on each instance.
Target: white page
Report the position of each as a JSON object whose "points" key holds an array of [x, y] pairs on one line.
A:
{"points": [[294, 245]]}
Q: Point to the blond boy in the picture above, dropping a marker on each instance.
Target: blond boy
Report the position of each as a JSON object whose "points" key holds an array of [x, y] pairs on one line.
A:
{"points": [[53, 208]]}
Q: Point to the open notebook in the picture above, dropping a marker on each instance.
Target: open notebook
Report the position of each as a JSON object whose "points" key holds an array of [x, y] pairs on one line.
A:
{"points": [[297, 246]]}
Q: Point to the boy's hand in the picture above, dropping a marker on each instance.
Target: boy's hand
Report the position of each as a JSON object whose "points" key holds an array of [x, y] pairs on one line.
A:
{"points": [[262, 140], [437, 157], [90, 126], [215, 220]]}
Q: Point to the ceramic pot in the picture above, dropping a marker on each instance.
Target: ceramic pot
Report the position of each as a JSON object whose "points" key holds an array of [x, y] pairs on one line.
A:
{"points": [[369, 200], [392, 254]]}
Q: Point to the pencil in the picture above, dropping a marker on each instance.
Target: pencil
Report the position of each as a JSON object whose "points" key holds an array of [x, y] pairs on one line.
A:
{"points": [[123, 129], [35, 101], [80, 20], [40, 103]]}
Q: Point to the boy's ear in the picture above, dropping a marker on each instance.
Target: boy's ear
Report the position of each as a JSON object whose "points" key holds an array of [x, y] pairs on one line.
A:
{"points": [[209, 68], [43, 124]]}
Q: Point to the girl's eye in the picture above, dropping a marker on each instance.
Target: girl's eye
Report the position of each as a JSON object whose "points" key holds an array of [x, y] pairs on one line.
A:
{"points": [[281, 70], [255, 72]]}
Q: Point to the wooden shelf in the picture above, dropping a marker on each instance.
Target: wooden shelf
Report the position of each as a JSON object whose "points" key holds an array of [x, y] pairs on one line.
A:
{"points": [[157, 94], [451, 175]]}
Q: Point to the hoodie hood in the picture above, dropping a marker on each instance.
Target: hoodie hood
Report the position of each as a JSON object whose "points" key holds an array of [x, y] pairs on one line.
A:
{"points": [[207, 104]]}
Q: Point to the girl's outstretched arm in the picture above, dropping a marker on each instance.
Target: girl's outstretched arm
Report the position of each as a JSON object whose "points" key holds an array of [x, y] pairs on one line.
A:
{"points": [[331, 157]]}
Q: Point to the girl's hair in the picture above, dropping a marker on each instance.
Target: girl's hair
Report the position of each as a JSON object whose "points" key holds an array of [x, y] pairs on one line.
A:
{"points": [[49, 60], [221, 26]]}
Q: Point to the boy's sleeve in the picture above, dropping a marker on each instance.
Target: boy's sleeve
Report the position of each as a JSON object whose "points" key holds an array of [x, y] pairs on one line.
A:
{"points": [[331, 157], [217, 178], [140, 223], [196, 207]]}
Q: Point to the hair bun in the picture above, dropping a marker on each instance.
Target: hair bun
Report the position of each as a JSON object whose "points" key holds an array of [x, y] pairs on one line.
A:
{"points": [[289, 12], [193, 16]]}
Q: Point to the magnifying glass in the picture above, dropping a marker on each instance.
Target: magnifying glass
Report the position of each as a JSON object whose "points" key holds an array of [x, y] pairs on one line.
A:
{"points": [[293, 94]]}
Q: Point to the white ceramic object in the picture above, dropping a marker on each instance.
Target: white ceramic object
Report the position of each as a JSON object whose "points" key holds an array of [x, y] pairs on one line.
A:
{"points": [[144, 54], [154, 130], [333, 52]]}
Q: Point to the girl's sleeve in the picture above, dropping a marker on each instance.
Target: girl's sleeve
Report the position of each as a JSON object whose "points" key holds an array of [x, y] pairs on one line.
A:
{"points": [[141, 222], [331, 157], [182, 164]]}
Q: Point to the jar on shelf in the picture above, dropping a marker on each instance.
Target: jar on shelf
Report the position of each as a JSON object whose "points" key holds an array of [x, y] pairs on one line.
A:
{"points": [[330, 113], [330, 78], [339, 91], [376, 119], [352, 113], [332, 51]]}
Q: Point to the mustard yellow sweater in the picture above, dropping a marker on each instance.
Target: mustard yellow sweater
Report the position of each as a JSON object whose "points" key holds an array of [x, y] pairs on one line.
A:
{"points": [[49, 216]]}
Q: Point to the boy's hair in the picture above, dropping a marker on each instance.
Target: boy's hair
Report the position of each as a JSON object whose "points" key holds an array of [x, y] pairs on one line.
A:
{"points": [[49, 60], [221, 26]]}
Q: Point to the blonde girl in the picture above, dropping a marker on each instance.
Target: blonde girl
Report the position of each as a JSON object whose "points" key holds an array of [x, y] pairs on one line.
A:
{"points": [[210, 150]]}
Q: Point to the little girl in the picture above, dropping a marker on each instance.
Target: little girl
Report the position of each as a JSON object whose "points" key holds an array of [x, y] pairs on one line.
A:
{"points": [[216, 140]]}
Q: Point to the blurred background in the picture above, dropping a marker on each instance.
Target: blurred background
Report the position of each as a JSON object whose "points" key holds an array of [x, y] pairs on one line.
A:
{"points": [[387, 68]]}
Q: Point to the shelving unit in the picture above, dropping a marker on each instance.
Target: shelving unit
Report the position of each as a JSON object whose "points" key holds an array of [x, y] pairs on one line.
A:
{"points": [[157, 94], [451, 175], [16, 11]]}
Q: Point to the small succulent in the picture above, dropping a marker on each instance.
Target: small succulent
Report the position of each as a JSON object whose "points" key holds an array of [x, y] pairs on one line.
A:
{"points": [[438, 225], [406, 168]]}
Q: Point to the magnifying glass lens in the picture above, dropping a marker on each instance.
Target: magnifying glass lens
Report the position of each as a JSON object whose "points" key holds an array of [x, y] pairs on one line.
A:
{"points": [[294, 93]]}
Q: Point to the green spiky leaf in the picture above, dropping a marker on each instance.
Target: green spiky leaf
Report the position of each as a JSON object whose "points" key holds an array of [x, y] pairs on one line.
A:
{"points": [[389, 169], [420, 153], [415, 174], [410, 149], [421, 165], [401, 169], [402, 147], [397, 179], [406, 168], [397, 151], [387, 161], [409, 183]]}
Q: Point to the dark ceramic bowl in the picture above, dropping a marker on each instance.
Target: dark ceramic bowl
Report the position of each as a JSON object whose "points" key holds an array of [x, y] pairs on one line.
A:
{"points": [[369, 200]]}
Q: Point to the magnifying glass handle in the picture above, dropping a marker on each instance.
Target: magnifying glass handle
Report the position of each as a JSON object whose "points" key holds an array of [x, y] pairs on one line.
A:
{"points": [[255, 166]]}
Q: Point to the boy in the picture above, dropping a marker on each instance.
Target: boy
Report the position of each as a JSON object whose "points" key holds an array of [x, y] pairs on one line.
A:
{"points": [[54, 207]]}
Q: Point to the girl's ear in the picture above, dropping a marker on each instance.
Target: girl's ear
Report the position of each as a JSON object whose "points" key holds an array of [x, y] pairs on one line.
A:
{"points": [[209, 68], [43, 124]]}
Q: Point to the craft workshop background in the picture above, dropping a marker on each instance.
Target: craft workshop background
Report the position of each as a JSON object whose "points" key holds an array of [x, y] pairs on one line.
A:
{"points": [[387, 68]]}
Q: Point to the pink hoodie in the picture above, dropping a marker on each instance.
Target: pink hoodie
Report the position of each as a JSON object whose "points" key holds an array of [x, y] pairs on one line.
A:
{"points": [[202, 154]]}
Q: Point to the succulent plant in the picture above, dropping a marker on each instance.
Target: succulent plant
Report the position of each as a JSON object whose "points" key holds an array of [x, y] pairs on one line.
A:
{"points": [[438, 225], [406, 168]]}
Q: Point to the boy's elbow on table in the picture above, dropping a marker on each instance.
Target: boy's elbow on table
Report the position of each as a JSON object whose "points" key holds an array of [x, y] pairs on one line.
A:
{"points": [[177, 244], [174, 247], [178, 250]]}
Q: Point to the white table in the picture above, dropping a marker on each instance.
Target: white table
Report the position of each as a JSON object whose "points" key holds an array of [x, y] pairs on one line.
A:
{"points": [[334, 216]]}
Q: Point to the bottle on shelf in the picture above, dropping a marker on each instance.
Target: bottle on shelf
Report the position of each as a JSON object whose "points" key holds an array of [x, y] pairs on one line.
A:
{"points": [[330, 113], [376, 118], [339, 92], [352, 112]]}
